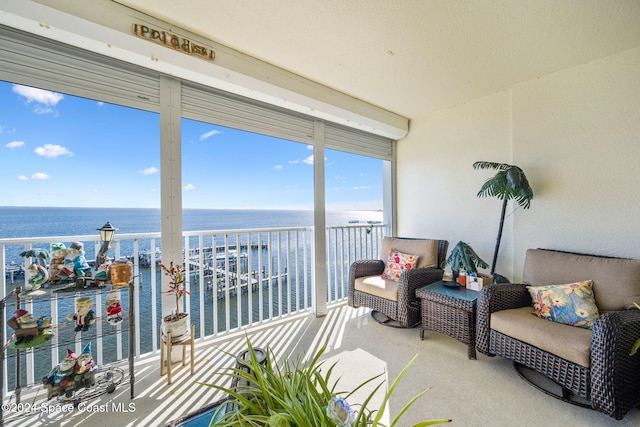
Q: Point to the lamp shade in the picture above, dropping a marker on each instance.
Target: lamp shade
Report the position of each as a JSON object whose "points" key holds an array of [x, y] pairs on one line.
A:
{"points": [[106, 232]]}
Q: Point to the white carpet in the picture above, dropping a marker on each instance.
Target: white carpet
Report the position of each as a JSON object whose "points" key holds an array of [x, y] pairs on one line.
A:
{"points": [[483, 392]]}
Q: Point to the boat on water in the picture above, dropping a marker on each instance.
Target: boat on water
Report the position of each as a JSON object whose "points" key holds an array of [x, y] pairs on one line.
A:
{"points": [[148, 258], [13, 271]]}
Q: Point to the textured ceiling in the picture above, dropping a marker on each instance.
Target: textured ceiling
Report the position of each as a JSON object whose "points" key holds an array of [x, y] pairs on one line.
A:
{"points": [[412, 57]]}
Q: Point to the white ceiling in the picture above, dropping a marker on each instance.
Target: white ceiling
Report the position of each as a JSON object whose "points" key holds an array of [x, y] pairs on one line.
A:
{"points": [[412, 57]]}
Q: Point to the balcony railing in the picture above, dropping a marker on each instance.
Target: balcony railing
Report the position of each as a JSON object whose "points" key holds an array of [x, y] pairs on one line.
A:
{"points": [[235, 278]]}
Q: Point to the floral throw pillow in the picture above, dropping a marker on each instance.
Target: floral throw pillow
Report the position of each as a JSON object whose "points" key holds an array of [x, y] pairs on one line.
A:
{"points": [[397, 263], [572, 303]]}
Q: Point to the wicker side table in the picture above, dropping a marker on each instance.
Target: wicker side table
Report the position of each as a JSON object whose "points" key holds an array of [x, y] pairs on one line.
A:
{"points": [[451, 311]]}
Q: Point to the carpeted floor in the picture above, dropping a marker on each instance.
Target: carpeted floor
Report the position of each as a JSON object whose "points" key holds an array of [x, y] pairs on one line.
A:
{"points": [[482, 392]]}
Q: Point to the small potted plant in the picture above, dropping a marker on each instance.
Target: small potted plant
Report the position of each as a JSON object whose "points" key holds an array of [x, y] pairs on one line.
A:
{"points": [[176, 323], [464, 257]]}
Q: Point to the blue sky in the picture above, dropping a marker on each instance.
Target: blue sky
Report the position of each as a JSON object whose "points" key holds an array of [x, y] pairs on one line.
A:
{"points": [[61, 150]]}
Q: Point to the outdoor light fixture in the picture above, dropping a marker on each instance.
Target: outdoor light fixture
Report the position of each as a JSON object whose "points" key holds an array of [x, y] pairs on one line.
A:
{"points": [[106, 232], [106, 235]]}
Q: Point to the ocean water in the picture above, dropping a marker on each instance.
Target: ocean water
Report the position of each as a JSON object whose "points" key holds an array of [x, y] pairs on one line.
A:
{"points": [[54, 221], [21, 222]]}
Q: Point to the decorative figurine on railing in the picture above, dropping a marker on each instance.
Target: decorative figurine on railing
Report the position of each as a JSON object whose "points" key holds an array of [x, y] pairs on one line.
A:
{"points": [[102, 273], [83, 371], [60, 376], [72, 373], [58, 254], [38, 276], [29, 332], [84, 315], [113, 308], [106, 235], [75, 263], [37, 271]]}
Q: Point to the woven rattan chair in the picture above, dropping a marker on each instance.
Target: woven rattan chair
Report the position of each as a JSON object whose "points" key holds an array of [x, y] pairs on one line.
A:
{"points": [[397, 300], [605, 374]]}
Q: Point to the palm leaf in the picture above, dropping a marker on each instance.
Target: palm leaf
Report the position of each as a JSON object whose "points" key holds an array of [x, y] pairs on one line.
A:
{"points": [[509, 183], [463, 256], [490, 165], [495, 187], [39, 254], [35, 253]]}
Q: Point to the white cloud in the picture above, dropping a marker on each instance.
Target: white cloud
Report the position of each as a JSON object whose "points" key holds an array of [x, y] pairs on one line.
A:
{"points": [[310, 147], [278, 167], [45, 97], [15, 144], [294, 162], [362, 187], [53, 150], [22, 178], [149, 171], [44, 110], [100, 103], [209, 134], [309, 161], [40, 176], [189, 187]]}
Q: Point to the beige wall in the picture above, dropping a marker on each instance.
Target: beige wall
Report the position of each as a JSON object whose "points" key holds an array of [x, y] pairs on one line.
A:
{"points": [[575, 133]]}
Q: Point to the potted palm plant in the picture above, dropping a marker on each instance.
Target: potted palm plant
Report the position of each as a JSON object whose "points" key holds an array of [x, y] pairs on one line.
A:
{"points": [[176, 323], [509, 183], [463, 257]]}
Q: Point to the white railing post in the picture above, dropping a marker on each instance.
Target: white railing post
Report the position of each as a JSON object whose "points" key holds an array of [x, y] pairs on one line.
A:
{"points": [[285, 267], [260, 279], [201, 284], [153, 286]]}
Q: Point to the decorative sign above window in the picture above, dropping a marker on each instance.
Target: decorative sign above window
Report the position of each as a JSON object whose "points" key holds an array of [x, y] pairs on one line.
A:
{"points": [[173, 41]]}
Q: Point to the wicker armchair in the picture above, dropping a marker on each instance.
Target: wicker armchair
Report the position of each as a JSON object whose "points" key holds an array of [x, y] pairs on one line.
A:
{"points": [[604, 374], [397, 300]]}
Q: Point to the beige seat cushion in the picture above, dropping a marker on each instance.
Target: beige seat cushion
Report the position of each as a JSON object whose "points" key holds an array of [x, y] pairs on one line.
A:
{"points": [[568, 342], [426, 248], [616, 281], [376, 285]]}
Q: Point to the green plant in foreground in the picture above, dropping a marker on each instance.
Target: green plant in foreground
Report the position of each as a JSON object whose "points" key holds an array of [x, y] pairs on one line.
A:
{"points": [[300, 395]]}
